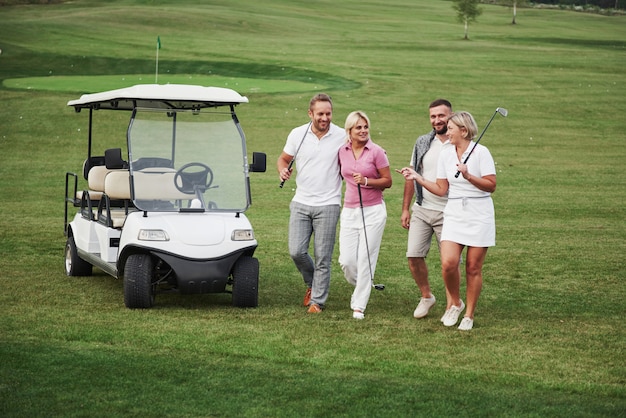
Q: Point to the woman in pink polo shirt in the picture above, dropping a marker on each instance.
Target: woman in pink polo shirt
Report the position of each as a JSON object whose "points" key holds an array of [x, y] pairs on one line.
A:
{"points": [[363, 164]]}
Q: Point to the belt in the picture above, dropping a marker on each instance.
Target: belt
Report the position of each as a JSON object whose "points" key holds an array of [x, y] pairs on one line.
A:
{"points": [[464, 198]]}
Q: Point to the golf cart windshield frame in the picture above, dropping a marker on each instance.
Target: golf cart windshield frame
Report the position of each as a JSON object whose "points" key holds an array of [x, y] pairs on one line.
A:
{"points": [[187, 160], [156, 96]]}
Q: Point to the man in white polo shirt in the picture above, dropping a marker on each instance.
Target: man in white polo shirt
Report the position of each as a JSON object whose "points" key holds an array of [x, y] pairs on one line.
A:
{"points": [[315, 207]]}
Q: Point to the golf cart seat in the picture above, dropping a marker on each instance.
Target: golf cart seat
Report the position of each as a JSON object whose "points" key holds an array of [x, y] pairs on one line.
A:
{"points": [[99, 167], [157, 184], [95, 170], [90, 162], [90, 198], [95, 181], [115, 201], [116, 189]]}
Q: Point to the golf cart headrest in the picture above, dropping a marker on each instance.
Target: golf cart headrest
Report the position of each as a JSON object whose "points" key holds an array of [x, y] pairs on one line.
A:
{"points": [[92, 162], [113, 159]]}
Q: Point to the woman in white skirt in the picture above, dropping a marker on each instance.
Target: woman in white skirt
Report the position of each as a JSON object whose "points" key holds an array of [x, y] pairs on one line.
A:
{"points": [[365, 169], [468, 218]]}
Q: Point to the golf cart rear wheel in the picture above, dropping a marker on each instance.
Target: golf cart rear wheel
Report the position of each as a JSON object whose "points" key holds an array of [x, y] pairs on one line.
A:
{"points": [[246, 282], [74, 265], [138, 288]]}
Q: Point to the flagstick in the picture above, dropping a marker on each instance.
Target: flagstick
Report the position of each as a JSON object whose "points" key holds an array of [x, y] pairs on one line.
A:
{"points": [[156, 74]]}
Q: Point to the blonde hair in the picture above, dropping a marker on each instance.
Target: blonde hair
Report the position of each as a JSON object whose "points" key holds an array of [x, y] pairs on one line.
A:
{"points": [[465, 120], [352, 119]]}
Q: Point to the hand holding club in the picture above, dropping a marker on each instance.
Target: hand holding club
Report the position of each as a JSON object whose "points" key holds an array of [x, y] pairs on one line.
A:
{"points": [[503, 112], [462, 168], [359, 179], [285, 174]]}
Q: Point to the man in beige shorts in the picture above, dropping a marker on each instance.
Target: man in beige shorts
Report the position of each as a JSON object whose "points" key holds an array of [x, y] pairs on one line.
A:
{"points": [[425, 218]]}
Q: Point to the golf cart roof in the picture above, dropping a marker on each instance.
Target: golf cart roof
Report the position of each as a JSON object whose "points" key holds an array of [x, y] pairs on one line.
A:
{"points": [[159, 96]]}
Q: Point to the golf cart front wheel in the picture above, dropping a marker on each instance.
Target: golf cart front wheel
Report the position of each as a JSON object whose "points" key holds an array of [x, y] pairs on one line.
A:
{"points": [[138, 289], [246, 282], [74, 265]]}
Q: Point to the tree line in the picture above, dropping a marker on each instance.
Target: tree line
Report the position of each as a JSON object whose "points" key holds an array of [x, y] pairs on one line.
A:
{"points": [[602, 4], [468, 10]]}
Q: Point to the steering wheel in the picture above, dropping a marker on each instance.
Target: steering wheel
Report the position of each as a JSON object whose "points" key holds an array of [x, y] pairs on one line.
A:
{"points": [[192, 180]]}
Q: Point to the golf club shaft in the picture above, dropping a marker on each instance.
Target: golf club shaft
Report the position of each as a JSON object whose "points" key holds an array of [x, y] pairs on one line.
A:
{"points": [[282, 183], [367, 247], [477, 141]]}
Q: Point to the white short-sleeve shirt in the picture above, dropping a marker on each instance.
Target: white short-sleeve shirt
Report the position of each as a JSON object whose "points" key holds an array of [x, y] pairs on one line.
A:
{"points": [[429, 164], [318, 181], [480, 164]]}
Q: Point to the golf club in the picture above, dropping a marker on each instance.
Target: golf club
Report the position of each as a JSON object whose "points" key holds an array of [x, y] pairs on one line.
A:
{"points": [[282, 183], [499, 110], [367, 247]]}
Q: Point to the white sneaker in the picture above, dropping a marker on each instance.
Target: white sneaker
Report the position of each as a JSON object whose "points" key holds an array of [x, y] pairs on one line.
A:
{"points": [[358, 315], [444, 314], [466, 324], [423, 307], [452, 316]]}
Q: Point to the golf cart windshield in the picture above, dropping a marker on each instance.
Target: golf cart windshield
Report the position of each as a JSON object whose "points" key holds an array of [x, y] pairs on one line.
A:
{"points": [[187, 160]]}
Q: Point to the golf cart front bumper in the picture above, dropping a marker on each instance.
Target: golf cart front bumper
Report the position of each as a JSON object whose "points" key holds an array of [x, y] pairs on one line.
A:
{"points": [[203, 276]]}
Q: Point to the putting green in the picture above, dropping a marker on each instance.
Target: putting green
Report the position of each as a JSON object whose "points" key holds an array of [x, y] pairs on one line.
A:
{"points": [[93, 84]]}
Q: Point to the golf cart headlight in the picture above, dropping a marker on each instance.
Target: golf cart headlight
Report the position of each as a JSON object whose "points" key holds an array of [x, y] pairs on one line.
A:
{"points": [[153, 235], [242, 235]]}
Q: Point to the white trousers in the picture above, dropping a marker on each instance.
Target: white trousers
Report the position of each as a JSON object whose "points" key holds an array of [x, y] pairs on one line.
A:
{"points": [[353, 249]]}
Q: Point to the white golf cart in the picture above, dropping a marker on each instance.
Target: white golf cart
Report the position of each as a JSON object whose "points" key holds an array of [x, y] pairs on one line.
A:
{"points": [[169, 217]]}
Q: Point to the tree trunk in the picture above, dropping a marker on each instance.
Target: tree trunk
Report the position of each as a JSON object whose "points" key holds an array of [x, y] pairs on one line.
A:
{"points": [[466, 30], [514, 12]]}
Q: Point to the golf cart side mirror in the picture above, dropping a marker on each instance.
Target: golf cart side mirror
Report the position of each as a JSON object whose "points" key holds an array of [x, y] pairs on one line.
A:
{"points": [[258, 162]]}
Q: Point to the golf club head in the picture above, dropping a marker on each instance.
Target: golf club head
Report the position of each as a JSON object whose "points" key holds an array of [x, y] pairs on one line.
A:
{"points": [[379, 286], [502, 111]]}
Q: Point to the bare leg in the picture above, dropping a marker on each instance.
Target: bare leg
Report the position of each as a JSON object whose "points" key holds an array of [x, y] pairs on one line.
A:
{"points": [[448, 298], [419, 270], [474, 274], [450, 257]]}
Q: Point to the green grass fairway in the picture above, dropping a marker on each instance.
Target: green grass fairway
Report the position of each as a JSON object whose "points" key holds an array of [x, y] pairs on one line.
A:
{"points": [[93, 84], [549, 337]]}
